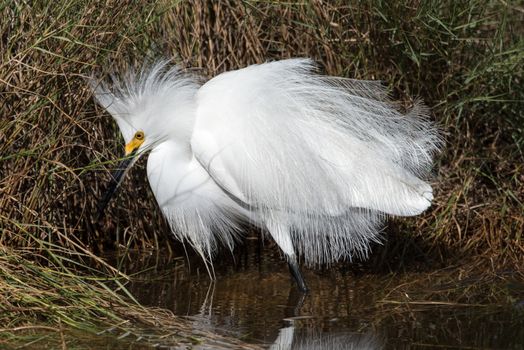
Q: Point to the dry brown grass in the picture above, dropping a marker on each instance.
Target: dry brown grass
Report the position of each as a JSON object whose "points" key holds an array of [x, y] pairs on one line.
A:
{"points": [[56, 146]]}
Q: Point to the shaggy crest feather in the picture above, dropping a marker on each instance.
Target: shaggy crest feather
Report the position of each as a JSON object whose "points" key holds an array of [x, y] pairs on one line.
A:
{"points": [[318, 161]]}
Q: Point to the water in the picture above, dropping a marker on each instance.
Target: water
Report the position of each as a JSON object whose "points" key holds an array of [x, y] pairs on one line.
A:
{"points": [[255, 299]]}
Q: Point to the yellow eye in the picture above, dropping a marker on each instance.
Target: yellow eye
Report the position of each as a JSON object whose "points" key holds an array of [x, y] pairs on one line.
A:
{"points": [[139, 135]]}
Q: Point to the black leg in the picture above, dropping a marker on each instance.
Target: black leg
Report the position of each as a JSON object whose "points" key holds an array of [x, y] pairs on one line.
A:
{"points": [[297, 275]]}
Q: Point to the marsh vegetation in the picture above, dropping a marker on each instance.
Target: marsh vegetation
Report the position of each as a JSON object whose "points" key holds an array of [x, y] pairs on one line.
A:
{"points": [[465, 59]]}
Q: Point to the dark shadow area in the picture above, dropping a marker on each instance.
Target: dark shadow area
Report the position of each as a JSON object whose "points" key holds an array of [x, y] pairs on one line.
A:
{"points": [[254, 298]]}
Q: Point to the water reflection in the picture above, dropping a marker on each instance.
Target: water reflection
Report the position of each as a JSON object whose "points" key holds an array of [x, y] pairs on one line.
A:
{"points": [[291, 338], [254, 299]]}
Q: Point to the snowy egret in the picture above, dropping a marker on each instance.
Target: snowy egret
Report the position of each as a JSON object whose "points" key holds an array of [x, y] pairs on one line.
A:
{"points": [[316, 161]]}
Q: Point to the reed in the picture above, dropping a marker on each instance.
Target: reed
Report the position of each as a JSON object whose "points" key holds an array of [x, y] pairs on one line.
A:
{"points": [[464, 59]]}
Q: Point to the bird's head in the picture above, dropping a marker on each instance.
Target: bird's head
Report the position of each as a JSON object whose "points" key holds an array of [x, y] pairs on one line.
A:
{"points": [[151, 106]]}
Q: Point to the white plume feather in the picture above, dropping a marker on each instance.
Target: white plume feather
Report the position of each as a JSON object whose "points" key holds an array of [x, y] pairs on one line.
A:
{"points": [[327, 154], [324, 158]]}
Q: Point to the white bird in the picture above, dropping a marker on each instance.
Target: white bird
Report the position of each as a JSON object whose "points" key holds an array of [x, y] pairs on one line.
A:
{"points": [[316, 161]]}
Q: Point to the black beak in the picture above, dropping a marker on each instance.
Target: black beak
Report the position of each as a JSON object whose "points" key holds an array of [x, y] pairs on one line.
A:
{"points": [[116, 180]]}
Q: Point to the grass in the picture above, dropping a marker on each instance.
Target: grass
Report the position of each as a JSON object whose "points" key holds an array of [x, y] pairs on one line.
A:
{"points": [[50, 298], [464, 59]]}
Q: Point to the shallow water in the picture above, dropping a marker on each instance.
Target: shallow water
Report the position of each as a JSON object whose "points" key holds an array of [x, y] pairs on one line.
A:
{"points": [[254, 298]]}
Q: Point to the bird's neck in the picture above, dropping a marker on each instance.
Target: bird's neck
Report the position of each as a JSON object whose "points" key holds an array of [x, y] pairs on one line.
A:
{"points": [[180, 126], [167, 164]]}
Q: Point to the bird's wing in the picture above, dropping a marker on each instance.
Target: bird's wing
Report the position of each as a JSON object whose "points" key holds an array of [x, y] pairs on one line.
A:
{"points": [[279, 137]]}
